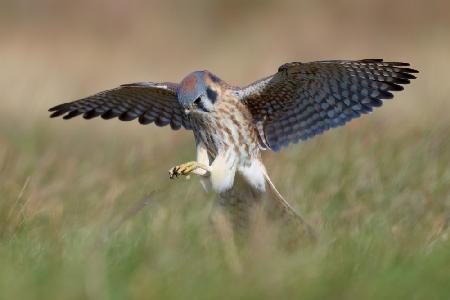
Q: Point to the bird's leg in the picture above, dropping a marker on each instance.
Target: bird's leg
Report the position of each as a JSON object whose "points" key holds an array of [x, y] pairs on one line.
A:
{"points": [[190, 167]]}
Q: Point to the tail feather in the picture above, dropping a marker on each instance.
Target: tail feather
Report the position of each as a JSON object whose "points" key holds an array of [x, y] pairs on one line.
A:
{"points": [[285, 207], [280, 201]]}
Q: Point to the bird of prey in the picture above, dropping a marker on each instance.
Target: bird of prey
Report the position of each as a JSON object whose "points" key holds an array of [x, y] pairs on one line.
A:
{"points": [[232, 125]]}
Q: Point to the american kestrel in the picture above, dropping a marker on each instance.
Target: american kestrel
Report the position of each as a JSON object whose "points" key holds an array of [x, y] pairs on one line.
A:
{"points": [[232, 125]]}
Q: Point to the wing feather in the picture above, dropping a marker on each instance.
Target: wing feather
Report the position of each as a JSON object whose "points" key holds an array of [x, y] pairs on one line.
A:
{"points": [[146, 101], [303, 100]]}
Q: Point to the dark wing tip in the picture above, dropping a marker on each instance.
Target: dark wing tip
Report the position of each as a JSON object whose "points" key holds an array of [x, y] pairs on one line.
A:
{"points": [[129, 116], [57, 113], [390, 63], [59, 110], [72, 114], [91, 114], [409, 70], [58, 107], [405, 71]]}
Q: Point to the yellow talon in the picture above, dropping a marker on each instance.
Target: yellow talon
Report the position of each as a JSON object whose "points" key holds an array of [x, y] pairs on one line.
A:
{"points": [[184, 169]]}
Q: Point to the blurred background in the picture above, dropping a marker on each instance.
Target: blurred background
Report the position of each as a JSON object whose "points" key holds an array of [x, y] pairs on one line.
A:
{"points": [[386, 176], [58, 50]]}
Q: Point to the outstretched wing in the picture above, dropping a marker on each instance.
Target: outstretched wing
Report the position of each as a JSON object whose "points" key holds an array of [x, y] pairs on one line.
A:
{"points": [[147, 101], [303, 100]]}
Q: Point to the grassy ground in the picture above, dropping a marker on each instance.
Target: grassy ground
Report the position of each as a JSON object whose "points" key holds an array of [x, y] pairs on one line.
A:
{"points": [[379, 198], [86, 207]]}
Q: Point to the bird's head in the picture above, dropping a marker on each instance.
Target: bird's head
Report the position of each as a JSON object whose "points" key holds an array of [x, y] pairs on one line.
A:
{"points": [[199, 91]]}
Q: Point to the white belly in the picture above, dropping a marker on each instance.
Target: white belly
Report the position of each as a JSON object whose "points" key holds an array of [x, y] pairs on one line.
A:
{"points": [[223, 173]]}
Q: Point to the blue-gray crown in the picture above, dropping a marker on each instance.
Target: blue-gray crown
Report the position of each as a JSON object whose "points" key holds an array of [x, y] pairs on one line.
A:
{"points": [[191, 87]]}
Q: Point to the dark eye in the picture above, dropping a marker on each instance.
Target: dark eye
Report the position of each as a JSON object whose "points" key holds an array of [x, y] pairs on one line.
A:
{"points": [[199, 104]]}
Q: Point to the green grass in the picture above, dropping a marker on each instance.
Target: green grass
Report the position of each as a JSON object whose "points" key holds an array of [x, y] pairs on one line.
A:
{"points": [[378, 196]]}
